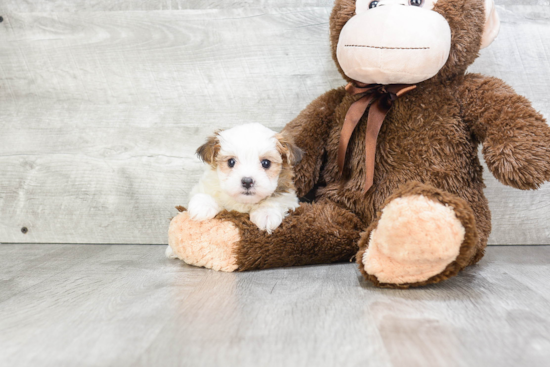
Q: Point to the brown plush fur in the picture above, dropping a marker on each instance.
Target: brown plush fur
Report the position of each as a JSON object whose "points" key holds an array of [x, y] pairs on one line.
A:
{"points": [[427, 145], [516, 139], [310, 131], [314, 234]]}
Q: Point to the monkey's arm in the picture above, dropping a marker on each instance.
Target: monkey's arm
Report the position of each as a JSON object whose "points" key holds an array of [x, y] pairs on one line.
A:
{"points": [[310, 131], [515, 137]]}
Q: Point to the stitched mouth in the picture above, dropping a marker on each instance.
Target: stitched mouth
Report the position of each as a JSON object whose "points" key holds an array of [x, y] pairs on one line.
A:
{"points": [[389, 48]]}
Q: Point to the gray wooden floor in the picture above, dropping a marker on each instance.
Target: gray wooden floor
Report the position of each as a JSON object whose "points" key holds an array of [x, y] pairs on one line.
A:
{"points": [[67, 305]]}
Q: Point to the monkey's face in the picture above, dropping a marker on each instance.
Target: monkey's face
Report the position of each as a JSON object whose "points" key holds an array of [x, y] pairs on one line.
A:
{"points": [[392, 41], [408, 41]]}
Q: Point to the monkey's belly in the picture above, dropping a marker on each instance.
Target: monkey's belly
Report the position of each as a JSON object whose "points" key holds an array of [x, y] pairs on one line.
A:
{"points": [[452, 169]]}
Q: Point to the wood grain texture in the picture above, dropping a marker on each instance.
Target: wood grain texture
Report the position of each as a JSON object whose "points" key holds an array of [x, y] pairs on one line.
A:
{"points": [[102, 110], [33, 6], [109, 305]]}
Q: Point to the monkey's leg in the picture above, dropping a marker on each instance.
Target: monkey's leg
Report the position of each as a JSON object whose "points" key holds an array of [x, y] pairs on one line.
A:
{"points": [[422, 235], [313, 234]]}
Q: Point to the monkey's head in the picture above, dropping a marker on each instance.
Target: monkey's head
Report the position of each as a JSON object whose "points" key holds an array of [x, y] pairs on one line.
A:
{"points": [[409, 41]]}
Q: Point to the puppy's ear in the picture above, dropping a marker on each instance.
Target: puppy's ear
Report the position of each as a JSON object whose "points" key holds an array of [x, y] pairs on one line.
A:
{"points": [[209, 150], [288, 149]]}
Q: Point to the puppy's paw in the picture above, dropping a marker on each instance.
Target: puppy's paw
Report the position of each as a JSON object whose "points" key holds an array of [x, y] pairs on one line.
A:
{"points": [[202, 207], [267, 219]]}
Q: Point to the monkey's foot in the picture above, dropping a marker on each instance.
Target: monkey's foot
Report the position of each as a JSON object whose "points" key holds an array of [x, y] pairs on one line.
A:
{"points": [[210, 243], [418, 239]]}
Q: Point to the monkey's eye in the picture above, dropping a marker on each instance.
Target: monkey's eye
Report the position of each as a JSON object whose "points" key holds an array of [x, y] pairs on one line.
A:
{"points": [[373, 4], [416, 2], [231, 163], [266, 163]]}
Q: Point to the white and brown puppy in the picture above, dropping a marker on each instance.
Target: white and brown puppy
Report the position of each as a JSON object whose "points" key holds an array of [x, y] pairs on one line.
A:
{"points": [[250, 170]]}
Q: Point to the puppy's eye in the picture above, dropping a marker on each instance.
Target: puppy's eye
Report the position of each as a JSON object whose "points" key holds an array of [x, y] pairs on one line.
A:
{"points": [[231, 163], [373, 4], [416, 2], [266, 163]]}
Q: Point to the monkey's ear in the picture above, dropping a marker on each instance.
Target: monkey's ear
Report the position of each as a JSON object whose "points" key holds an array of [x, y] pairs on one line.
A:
{"points": [[209, 150], [288, 149], [492, 24]]}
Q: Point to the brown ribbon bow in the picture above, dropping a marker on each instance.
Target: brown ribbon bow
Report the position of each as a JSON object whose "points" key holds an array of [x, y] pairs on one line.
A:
{"points": [[380, 99]]}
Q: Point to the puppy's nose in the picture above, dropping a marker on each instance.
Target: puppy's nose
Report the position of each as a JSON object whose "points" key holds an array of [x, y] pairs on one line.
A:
{"points": [[247, 182]]}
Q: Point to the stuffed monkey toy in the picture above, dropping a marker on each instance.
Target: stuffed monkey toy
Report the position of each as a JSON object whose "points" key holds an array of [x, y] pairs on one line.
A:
{"points": [[391, 159]]}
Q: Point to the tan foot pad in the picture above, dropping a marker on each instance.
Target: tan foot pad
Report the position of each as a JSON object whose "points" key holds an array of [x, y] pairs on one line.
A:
{"points": [[210, 244], [416, 238]]}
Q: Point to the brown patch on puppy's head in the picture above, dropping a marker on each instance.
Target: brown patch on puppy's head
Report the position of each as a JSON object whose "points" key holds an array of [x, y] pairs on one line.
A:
{"points": [[209, 150], [288, 150], [290, 155], [276, 163]]}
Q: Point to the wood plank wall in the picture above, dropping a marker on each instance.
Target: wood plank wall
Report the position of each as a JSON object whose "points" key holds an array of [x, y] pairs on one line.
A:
{"points": [[104, 102]]}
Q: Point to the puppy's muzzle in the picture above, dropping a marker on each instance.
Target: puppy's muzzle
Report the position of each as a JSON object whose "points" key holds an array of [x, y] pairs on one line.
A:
{"points": [[247, 182]]}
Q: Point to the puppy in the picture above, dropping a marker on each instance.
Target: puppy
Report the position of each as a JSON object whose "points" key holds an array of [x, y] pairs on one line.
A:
{"points": [[250, 171]]}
